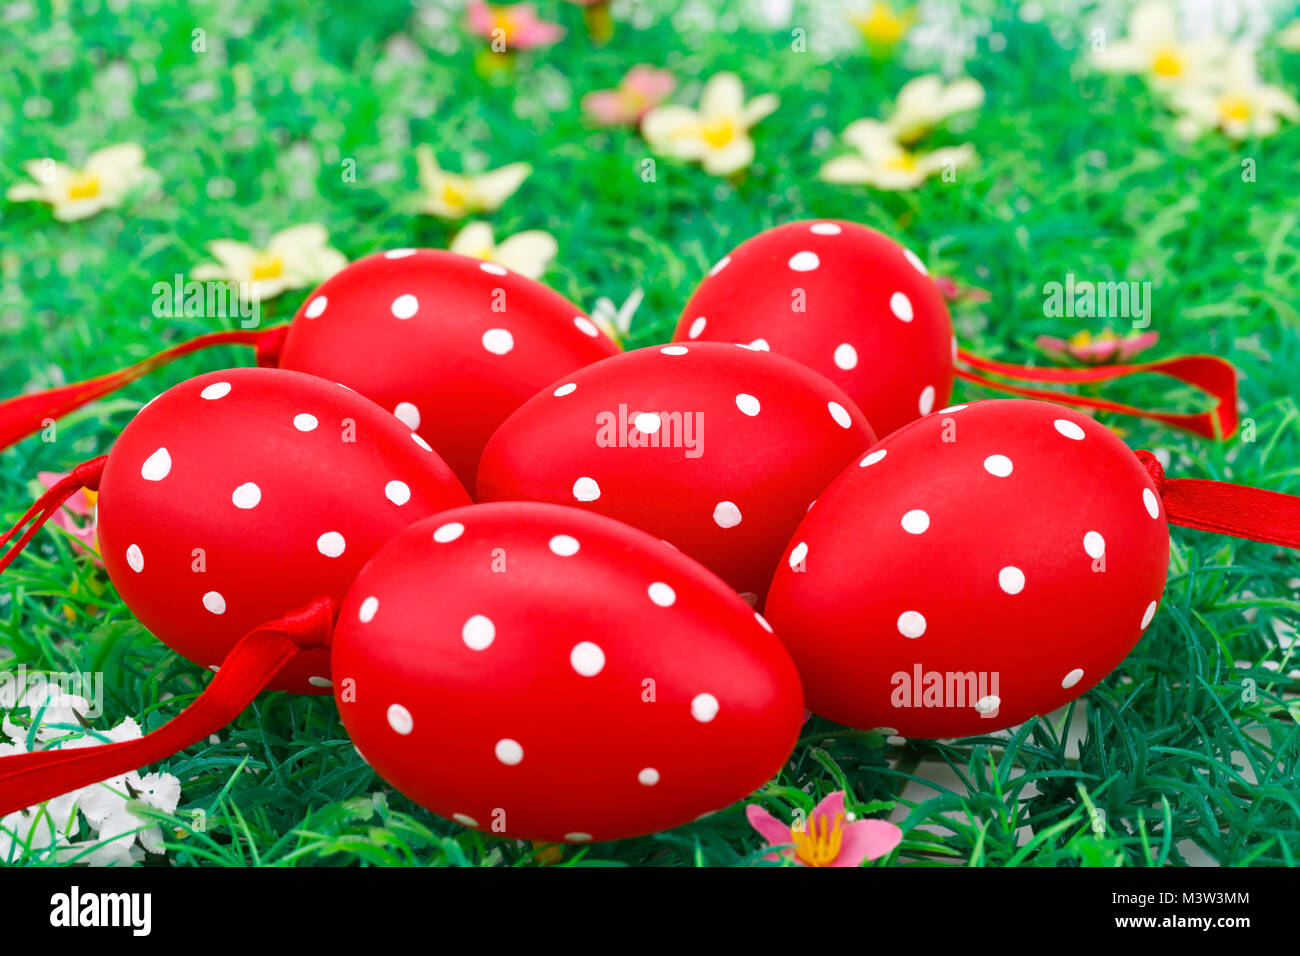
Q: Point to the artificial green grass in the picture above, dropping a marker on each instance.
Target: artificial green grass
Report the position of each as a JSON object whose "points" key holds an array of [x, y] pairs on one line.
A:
{"points": [[1079, 173]]}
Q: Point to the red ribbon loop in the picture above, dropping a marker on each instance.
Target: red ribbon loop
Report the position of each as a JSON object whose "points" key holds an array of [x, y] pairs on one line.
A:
{"points": [[27, 414], [32, 778], [85, 475], [1225, 508], [1213, 375]]}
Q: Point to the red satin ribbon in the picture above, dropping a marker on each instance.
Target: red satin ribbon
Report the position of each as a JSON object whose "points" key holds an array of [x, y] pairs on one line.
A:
{"points": [[27, 414], [85, 475], [1209, 373], [28, 779], [1225, 508]]}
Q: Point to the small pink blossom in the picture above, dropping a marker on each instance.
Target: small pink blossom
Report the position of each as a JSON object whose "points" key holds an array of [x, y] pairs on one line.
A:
{"points": [[641, 90], [828, 838], [1097, 350], [77, 516], [953, 292], [516, 25]]}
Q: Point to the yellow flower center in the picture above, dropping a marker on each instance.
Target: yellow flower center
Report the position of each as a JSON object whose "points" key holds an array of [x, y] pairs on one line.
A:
{"points": [[267, 266], [819, 845], [455, 193], [904, 161], [1167, 63], [881, 25], [1234, 108], [503, 21], [718, 132], [91, 497], [83, 186]]}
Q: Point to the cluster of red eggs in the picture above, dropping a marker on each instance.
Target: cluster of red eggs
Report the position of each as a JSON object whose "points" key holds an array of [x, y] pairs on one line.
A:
{"points": [[581, 654]]}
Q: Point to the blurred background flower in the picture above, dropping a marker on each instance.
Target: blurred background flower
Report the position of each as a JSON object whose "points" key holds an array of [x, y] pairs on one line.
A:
{"points": [[455, 196], [295, 258], [528, 253], [103, 182], [514, 27], [641, 89], [716, 134]]}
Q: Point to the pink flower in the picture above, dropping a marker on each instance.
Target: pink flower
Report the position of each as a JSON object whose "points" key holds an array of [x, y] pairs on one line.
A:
{"points": [[517, 26], [77, 516], [953, 292], [829, 838], [1097, 350], [641, 90]]}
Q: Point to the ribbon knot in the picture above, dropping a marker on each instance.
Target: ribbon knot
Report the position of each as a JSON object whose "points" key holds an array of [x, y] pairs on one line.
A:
{"points": [[1156, 470]]}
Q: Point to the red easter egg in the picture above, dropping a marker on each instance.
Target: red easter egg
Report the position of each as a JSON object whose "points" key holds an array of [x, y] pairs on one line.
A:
{"points": [[245, 493], [542, 673], [717, 449], [986, 564], [449, 344], [844, 300]]}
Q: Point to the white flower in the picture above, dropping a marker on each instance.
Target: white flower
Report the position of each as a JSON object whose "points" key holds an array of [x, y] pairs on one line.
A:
{"points": [[882, 162], [104, 805], [1288, 38], [616, 321], [528, 253], [455, 196], [926, 101], [109, 174], [1235, 101], [717, 134], [1154, 48], [295, 258]]}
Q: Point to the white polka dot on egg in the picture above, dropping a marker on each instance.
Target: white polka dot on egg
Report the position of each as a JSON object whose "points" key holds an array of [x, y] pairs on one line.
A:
{"points": [[674, 350], [566, 546], [315, 307], [1094, 544], [704, 707], [135, 558], [448, 532], [846, 356], [662, 594], [916, 521], [304, 422], [1068, 428], [1148, 615], [726, 514], [407, 414], [697, 327], [498, 341], [215, 390], [1072, 678], [804, 261], [157, 466], [398, 253], [330, 544], [566, 389], [247, 496], [492, 269], [915, 262], [998, 465], [798, 555], [1150, 502], [398, 492], [400, 720], [647, 423], [405, 306], [825, 229], [508, 751], [478, 633], [911, 624], [587, 659], [874, 457], [748, 404], [586, 489], [648, 777], [926, 402], [586, 326], [840, 414], [720, 265], [901, 306], [366, 613], [1011, 580], [214, 602]]}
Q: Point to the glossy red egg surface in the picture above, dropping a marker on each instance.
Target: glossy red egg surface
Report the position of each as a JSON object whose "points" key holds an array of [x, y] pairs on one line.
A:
{"points": [[715, 448], [1011, 551], [846, 301], [451, 345], [245, 493], [543, 673]]}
